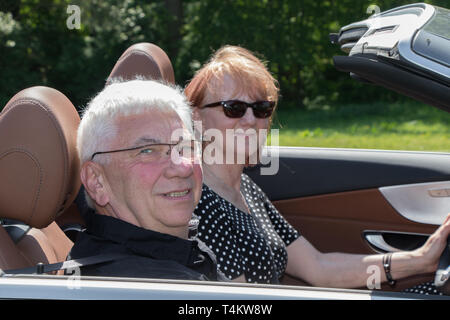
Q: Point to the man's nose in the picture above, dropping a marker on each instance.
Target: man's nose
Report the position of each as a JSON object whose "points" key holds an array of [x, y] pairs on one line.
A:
{"points": [[179, 167]]}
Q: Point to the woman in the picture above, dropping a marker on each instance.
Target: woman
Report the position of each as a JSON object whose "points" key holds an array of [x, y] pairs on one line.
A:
{"points": [[252, 241]]}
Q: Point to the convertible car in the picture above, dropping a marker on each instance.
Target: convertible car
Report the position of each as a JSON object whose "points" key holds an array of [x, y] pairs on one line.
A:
{"points": [[344, 200]]}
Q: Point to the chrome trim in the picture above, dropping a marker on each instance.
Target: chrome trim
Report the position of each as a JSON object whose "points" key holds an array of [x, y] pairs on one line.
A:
{"points": [[402, 37], [73, 228], [107, 288], [414, 202], [377, 242], [86, 288]]}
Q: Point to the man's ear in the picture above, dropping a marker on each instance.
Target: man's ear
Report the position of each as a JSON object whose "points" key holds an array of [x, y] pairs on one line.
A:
{"points": [[93, 179]]}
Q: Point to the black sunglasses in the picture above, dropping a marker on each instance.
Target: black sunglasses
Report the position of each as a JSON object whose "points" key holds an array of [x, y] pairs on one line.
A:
{"points": [[237, 108]]}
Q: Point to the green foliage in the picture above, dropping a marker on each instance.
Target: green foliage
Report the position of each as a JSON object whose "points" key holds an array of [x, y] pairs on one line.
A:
{"points": [[293, 36], [398, 126], [37, 47]]}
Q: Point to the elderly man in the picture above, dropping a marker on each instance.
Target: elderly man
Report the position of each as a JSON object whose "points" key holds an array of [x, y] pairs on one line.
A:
{"points": [[143, 180]]}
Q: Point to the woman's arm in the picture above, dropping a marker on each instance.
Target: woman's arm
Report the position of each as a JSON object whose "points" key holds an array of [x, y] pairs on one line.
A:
{"points": [[351, 271]]}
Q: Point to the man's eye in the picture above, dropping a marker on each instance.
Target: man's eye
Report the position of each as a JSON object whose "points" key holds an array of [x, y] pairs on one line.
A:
{"points": [[145, 151]]}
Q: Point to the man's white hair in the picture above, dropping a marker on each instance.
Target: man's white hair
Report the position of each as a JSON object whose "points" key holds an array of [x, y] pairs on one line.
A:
{"points": [[97, 127], [98, 123]]}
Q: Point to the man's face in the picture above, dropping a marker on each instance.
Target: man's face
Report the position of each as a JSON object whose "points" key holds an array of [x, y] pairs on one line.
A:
{"points": [[156, 195]]}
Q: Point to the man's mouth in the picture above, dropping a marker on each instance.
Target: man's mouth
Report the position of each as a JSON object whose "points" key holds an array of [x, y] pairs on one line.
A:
{"points": [[177, 194]]}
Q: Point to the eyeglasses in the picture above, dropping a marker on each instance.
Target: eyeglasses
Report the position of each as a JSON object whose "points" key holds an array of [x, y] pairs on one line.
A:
{"points": [[188, 149], [237, 108]]}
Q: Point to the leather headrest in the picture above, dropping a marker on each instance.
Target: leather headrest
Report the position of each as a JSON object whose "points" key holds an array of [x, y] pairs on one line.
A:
{"points": [[39, 165], [143, 59]]}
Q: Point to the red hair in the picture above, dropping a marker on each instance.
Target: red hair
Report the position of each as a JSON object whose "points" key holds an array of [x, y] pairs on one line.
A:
{"points": [[249, 74]]}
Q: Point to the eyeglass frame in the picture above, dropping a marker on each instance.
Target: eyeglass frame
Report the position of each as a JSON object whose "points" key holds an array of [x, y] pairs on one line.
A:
{"points": [[171, 145]]}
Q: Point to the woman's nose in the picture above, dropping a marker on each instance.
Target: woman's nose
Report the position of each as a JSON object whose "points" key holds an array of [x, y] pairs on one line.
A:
{"points": [[248, 117]]}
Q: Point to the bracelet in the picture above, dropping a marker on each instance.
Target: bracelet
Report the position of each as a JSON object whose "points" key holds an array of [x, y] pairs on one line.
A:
{"points": [[387, 268]]}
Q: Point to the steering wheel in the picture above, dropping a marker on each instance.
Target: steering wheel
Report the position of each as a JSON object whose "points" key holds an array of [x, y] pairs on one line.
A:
{"points": [[441, 280]]}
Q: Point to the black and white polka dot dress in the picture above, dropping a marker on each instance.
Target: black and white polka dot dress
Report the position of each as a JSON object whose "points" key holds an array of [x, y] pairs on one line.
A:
{"points": [[251, 244], [427, 288]]}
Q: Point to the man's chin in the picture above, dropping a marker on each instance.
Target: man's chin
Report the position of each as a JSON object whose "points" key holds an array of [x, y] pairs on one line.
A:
{"points": [[180, 218]]}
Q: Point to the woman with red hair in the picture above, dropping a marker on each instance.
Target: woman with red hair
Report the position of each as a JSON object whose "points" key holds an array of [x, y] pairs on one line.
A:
{"points": [[234, 92]]}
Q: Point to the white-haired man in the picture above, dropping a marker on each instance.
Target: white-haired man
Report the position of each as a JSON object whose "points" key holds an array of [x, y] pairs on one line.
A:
{"points": [[142, 179]]}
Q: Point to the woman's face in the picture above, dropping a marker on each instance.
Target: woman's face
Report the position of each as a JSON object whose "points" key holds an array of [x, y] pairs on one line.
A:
{"points": [[234, 138]]}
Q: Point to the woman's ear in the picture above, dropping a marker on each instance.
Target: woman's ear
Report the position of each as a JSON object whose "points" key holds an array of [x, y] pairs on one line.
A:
{"points": [[95, 184]]}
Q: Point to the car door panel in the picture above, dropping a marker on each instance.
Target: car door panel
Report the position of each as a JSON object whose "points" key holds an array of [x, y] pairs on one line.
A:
{"points": [[338, 223], [333, 197], [420, 202], [314, 171]]}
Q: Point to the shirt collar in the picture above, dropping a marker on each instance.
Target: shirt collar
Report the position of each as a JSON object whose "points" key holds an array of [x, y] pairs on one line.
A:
{"points": [[142, 241]]}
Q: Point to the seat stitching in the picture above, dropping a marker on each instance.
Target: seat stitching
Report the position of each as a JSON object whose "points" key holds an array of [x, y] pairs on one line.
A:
{"points": [[60, 135]]}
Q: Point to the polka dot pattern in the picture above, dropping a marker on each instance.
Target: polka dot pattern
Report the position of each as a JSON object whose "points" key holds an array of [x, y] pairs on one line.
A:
{"points": [[427, 288], [251, 244]]}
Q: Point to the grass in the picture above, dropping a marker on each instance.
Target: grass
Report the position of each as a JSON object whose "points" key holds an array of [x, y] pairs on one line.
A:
{"points": [[395, 126]]}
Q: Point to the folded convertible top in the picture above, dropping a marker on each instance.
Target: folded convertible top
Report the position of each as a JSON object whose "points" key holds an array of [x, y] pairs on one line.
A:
{"points": [[392, 77], [405, 49]]}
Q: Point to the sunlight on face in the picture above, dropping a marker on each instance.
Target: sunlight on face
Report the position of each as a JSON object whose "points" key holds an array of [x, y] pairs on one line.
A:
{"points": [[159, 195]]}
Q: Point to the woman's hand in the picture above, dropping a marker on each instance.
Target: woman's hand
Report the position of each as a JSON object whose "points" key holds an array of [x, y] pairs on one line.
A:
{"points": [[432, 250]]}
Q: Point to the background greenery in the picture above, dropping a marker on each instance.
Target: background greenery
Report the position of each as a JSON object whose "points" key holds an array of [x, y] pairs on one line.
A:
{"points": [[390, 126], [37, 48]]}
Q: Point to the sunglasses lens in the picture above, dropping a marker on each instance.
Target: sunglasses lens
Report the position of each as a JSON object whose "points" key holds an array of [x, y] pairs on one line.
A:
{"points": [[263, 109], [235, 109]]}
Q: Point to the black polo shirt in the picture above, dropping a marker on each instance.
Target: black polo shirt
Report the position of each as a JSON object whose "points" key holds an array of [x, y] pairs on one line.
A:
{"points": [[149, 254]]}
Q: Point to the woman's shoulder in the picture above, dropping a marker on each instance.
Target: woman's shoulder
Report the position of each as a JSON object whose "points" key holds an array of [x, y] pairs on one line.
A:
{"points": [[246, 180], [248, 185], [209, 199], [208, 193]]}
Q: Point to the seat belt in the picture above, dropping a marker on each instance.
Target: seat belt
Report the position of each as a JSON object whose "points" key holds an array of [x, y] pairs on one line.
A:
{"points": [[16, 229], [69, 264]]}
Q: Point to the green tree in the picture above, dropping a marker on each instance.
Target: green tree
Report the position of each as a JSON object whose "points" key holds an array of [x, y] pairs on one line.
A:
{"points": [[37, 47], [292, 35]]}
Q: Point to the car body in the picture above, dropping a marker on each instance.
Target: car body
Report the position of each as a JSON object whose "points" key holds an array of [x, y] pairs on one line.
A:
{"points": [[346, 200]]}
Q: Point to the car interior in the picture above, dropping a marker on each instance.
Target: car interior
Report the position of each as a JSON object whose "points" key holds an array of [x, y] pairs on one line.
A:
{"points": [[42, 199], [39, 168], [331, 196]]}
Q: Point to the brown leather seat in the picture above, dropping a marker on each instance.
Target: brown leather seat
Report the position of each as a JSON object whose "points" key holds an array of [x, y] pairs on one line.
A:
{"points": [[39, 174], [143, 59], [10, 256]]}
